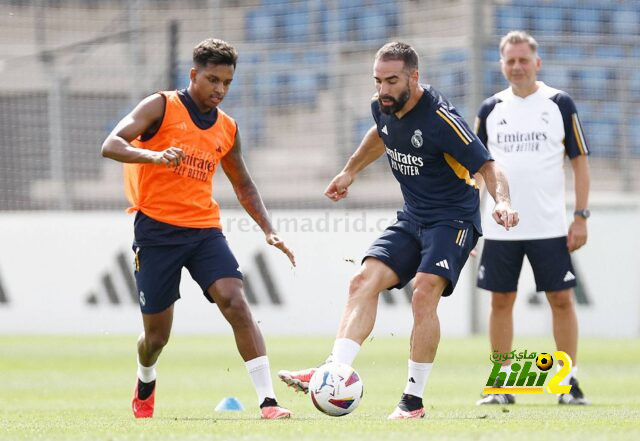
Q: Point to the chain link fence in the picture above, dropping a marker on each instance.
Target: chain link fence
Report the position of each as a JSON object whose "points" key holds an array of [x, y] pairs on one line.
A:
{"points": [[70, 69]]}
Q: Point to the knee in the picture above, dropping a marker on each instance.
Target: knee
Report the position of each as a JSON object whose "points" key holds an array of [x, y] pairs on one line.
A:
{"points": [[561, 301], [356, 283], [156, 340], [425, 298], [234, 307], [502, 302], [365, 285]]}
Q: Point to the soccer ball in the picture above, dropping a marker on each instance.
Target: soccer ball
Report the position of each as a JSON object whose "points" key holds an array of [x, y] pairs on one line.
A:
{"points": [[544, 361], [336, 389]]}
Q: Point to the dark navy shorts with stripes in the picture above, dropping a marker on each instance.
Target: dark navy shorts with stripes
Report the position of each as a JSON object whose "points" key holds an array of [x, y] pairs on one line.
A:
{"points": [[408, 248], [550, 260], [158, 268]]}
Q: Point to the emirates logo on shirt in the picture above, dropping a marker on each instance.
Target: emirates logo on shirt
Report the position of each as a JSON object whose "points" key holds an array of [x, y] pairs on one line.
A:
{"points": [[516, 142], [407, 164], [197, 164]]}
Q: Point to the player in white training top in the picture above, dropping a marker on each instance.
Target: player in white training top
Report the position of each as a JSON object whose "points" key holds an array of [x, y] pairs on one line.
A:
{"points": [[528, 129]]}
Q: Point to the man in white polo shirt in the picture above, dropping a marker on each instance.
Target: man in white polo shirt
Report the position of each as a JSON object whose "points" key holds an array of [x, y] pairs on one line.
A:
{"points": [[529, 128]]}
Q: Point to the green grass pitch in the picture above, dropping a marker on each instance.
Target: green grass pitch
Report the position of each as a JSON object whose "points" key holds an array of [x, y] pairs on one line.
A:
{"points": [[79, 388]]}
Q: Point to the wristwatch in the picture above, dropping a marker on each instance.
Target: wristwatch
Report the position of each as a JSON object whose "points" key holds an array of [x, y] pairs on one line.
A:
{"points": [[582, 213]]}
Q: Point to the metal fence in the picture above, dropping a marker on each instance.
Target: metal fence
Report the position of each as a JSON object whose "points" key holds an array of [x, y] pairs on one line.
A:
{"points": [[70, 69]]}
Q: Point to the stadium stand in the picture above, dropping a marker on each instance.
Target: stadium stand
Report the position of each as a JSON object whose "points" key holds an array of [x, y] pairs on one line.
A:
{"points": [[70, 68]]}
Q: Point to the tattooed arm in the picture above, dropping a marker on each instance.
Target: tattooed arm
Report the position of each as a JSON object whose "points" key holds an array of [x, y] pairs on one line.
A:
{"points": [[249, 197]]}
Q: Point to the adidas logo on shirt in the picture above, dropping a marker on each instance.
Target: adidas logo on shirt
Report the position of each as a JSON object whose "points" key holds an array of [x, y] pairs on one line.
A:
{"points": [[569, 277], [502, 122], [443, 264], [384, 130]]}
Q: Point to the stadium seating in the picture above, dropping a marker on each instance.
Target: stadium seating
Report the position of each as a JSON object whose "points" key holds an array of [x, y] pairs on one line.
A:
{"points": [[626, 20], [549, 21], [296, 22], [586, 71]]}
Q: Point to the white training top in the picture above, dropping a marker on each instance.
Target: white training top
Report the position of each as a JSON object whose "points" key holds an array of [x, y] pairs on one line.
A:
{"points": [[528, 138]]}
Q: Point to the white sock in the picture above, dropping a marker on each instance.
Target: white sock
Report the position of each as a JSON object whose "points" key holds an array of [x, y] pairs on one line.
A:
{"points": [[573, 373], [146, 374], [260, 374], [344, 351], [506, 368], [417, 378]]}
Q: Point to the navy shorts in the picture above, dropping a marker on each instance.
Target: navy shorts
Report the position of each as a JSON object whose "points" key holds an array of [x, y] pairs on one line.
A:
{"points": [[501, 264], [408, 248], [158, 269]]}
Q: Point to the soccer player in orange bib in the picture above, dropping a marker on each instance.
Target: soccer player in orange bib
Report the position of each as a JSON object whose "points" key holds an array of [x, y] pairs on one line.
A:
{"points": [[171, 144]]}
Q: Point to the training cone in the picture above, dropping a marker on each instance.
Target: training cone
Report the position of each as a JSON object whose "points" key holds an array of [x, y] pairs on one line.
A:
{"points": [[229, 403]]}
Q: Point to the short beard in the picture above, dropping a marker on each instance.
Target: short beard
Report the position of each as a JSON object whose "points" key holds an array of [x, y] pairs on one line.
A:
{"points": [[397, 105]]}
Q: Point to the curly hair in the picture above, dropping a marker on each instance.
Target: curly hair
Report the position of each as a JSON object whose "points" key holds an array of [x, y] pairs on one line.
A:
{"points": [[214, 51]]}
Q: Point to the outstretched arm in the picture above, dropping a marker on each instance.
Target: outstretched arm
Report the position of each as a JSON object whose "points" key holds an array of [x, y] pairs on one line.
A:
{"points": [[498, 188], [370, 149], [247, 193], [147, 115]]}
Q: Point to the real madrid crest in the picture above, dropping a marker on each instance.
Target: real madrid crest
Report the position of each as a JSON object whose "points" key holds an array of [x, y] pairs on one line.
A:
{"points": [[416, 139]]}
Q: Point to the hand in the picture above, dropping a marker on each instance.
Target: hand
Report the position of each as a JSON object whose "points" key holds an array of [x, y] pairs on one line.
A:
{"points": [[338, 187], [172, 157], [577, 236], [274, 239], [504, 215]]}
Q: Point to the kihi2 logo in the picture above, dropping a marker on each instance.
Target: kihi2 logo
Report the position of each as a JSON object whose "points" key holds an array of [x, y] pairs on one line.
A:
{"points": [[523, 379]]}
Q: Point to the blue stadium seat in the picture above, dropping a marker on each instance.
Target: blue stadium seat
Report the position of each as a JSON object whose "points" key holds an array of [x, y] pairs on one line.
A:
{"points": [[346, 25], [634, 84], [316, 57], [282, 57], [456, 56], [371, 25], [491, 54], [602, 137], [625, 20], [633, 135], [304, 89], [469, 117], [447, 81], [586, 20], [493, 81], [555, 76], [260, 25], [360, 127], [296, 25], [250, 124], [283, 86], [543, 51], [351, 4], [390, 11], [609, 51], [318, 61], [549, 20], [588, 111], [182, 80], [278, 4], [596, 82], [452, 77], [610, 110], [509, 18], [566, 52]]}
